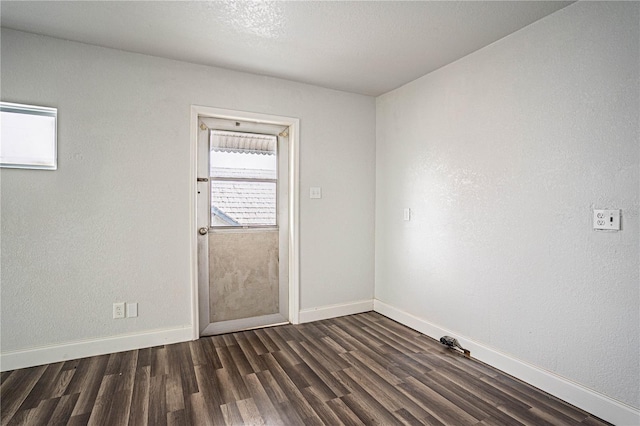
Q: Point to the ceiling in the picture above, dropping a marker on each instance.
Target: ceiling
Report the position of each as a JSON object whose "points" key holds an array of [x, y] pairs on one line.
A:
{"points": [[361, 47]]}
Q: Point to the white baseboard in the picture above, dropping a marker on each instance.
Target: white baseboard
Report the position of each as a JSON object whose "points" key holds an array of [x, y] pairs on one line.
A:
{"points": [[333, 311], [589, 400], [85, 348]]}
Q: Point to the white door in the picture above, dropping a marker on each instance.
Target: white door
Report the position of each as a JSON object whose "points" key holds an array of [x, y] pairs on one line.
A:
{"points": [[243, 222]]}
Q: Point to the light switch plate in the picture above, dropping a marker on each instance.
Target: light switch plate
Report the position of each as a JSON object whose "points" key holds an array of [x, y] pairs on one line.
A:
{"points": [[315, 192], [606, 219], [407, 214], [132, 310]]}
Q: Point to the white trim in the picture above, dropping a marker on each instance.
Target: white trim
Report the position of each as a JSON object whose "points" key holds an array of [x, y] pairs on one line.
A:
{"points": [[333, 311], [589, 400], [294, 222], [241, 324], [294, 202], [193, 223], [86, 348]]}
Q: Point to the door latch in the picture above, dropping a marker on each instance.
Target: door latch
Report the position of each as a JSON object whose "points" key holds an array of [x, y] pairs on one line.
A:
{"points": [[203, 179]]}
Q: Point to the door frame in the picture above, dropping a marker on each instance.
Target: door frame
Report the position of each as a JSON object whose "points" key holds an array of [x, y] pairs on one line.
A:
{"points": [[293, 204]]}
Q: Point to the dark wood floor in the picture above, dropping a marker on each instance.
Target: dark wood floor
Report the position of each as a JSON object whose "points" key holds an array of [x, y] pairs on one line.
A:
{"points": [[359, 369]]}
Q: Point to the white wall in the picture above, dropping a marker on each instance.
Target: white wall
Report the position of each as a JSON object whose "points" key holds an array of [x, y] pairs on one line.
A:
{"points": [[502, 156], [112, 223]]}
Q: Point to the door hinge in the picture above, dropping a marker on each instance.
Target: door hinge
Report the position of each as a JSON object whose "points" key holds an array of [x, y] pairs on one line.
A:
{"points": [[203, 179]]}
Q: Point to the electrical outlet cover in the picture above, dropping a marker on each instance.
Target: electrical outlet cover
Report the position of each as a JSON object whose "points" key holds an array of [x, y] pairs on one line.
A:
{"points": [[606, 219], [118, 310]]}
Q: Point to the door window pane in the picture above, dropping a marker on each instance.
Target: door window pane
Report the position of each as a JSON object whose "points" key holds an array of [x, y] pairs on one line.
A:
{"points": [[28, 136], [243, 175]]}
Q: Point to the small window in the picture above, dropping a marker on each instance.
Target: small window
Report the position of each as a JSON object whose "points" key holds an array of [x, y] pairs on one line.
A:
{"points": [[243, 175], [28, 137]]}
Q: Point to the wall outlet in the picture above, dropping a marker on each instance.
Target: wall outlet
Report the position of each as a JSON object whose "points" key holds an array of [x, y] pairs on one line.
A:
{"points": [[132, 310], [606, 219], [118, 310]]}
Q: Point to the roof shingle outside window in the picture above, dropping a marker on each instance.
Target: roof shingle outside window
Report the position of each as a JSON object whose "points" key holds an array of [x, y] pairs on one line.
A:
{"points": [[245, 203]]}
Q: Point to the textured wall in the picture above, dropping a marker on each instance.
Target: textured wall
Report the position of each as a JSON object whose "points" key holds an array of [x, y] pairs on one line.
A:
{"points": [[243, 274], [502, 156], [112, 223]]}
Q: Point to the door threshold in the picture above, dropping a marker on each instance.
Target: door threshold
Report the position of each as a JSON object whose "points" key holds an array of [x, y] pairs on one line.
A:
{"points": [[243, 324]]}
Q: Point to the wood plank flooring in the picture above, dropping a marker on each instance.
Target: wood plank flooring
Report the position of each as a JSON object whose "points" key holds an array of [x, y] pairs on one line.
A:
{"points": [[354, 370]]}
